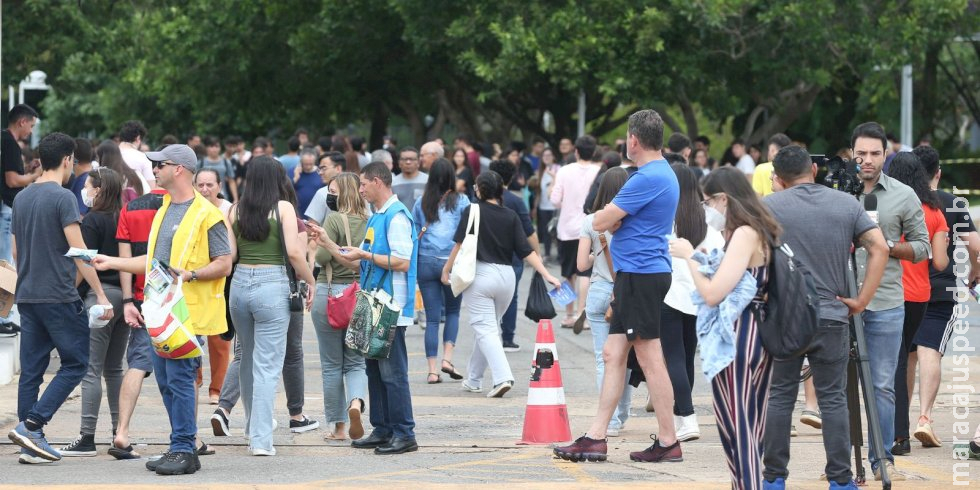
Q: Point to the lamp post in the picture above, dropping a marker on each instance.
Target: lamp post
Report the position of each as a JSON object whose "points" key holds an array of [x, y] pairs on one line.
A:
{"points": [[32, 91]]}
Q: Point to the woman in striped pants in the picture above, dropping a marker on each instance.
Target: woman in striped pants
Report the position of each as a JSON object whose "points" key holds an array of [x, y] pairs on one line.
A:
{"points": [[741, 390]]}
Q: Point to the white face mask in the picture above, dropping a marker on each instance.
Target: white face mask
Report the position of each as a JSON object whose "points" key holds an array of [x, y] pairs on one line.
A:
{"points": [[87, 198], [714, 218]]}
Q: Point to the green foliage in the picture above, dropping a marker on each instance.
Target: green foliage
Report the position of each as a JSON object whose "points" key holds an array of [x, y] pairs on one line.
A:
{"points": [[493, 68]]}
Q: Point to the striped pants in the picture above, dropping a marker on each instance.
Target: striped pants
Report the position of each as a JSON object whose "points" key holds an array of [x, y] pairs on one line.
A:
{"points": [[741, 394]]}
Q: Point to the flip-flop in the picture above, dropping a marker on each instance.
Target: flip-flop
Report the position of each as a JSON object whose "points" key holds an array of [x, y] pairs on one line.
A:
{"points": [[204, 450], [451, 371], [123, 453], [437, 380], [356, 429]]}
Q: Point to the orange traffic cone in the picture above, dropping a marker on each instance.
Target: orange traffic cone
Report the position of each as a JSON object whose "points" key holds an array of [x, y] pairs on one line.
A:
{"points": [[546, 415]]}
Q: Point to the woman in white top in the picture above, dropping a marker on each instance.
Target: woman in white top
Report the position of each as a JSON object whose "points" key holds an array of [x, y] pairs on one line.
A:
{"points": [[593, 255], [678, 317], [208, 184], [546, 209]]}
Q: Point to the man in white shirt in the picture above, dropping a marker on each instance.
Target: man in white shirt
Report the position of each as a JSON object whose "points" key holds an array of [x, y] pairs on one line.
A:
{"points": [[131, 137], [745, 162]]}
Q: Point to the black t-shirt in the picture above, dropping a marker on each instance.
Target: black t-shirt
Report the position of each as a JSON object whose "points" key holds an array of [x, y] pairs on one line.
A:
{"points": [[99, 233], [11, 160], [501, 234], [959, 221]]}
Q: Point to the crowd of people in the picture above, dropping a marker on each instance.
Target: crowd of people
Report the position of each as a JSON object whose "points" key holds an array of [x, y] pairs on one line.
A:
{"points": [[670, 253]]}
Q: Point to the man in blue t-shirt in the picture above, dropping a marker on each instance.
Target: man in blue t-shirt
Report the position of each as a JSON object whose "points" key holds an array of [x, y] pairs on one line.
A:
{"points": [[640, 218]]}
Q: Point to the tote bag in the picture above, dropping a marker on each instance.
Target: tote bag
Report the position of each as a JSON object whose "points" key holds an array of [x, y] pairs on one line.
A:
{"points": [[464, 268]]}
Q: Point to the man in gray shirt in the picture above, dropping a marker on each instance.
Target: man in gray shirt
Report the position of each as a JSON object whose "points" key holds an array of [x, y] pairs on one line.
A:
{"points": [[819, 225], [898, 214], [410, 183]]}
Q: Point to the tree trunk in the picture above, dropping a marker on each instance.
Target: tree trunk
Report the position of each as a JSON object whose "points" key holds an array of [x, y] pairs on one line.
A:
{"points": [[379, 126], [925, 99], [687, 109]]}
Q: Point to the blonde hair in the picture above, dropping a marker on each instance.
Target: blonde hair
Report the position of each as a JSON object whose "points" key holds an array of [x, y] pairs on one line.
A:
{"points": [[349, 200]]}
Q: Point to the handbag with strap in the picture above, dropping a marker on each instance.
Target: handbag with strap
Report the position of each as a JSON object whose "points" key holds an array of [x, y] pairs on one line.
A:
{"points": [[464, 268], [341, 307], [612, 272], [374, 321], [295, 296]]}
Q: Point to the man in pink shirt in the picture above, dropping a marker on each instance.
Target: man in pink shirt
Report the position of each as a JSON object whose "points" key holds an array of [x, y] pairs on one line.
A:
{"points": [[568, 193]]}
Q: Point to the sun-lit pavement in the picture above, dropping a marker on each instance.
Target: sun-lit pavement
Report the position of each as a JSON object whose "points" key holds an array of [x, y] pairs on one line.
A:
{"points": [[465, 438]]}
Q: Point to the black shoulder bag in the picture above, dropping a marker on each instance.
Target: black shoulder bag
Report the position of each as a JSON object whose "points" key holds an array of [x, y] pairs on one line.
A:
{"points": [[295, 296]]}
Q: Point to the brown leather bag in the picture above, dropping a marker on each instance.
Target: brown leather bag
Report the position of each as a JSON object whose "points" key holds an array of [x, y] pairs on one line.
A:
{"points": [[612, 271]]}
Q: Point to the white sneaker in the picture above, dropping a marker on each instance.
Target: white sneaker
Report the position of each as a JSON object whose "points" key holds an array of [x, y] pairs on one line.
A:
{"points": [[687, 428], [254, 451], [499, 390], [612, 432], [472, 389]]}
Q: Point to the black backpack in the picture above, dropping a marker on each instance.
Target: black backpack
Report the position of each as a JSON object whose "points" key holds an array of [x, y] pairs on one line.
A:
{"points": [[791, 314]]}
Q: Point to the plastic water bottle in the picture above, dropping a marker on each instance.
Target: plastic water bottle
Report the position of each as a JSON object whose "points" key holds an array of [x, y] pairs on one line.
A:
{"points": [[94, 313]]}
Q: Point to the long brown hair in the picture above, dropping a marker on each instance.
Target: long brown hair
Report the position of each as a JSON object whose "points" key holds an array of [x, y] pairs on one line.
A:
{"points": [[109, 156], [744, 206], [612, 181], [109, 183]]}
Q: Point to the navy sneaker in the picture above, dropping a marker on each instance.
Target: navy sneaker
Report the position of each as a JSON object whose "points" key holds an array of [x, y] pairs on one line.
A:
{"points": [[777, 484], [30, 457], [33, 440]]}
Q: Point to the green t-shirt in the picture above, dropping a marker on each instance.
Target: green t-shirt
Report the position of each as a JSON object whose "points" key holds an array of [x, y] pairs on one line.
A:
{"points": [[334, 226]]}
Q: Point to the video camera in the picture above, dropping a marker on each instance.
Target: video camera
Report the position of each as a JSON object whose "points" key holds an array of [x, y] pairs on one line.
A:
{"points": [[842, 175]]}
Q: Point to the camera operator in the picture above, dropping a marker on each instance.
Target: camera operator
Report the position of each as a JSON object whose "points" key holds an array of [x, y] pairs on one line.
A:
{"points": [[898, 213], [819, 224]]}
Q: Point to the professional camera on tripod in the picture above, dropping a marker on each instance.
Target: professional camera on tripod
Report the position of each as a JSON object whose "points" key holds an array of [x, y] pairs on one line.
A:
{"points": [[842, 175]]}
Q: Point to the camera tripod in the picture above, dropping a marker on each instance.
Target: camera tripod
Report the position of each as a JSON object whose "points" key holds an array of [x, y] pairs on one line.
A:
{"points": [[859, 382]]}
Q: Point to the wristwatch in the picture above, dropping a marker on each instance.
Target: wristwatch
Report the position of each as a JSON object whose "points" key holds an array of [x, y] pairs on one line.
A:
{"points": [[193, 276], [890, 244]]}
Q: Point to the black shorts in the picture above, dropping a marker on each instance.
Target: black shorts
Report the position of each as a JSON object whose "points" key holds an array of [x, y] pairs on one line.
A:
{"points": [[568, 254], [637, 301], [914, 313], [937, 326]]}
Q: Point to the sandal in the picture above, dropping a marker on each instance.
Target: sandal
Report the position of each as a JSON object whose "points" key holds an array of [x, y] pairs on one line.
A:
{"points": [[568, 322], [451, 370], [435, 381], [579, 323], [121, 453], [204, 450], [356, 429]]}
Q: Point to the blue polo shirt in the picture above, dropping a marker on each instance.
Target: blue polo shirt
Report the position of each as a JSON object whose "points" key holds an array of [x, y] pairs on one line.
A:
{"points": [[649, 199]]}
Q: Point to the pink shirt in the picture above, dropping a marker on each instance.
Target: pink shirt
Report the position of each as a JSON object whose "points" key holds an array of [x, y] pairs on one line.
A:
{"points": [[568, 193]]}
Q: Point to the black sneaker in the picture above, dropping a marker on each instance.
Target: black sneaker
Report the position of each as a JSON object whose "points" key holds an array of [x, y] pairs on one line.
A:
{"points": [[901, 448], [178, 464], [219, 423], [511, 346], [8, 329], [154, 461], [305, 425], [82, 446]]}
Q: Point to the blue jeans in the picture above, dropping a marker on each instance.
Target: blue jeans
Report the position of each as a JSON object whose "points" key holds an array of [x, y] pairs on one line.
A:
{"points": [[435, 297], [390, 398], [340, 366], [600, 293], [260, 311], [883, 332], [6, 244], [47, 326], [177, 380], [508, 324]]}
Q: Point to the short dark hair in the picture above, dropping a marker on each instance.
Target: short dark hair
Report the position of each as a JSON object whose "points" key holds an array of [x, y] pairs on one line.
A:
{"points": [[792, 162], [261, 141], [648, 127], [780, 140], [465, 138], [338, 159], [324, 143], [585, 146], [928, 158], [233, 140], [704, 140], [738, 141], [168, 139], [20, 111], [211, 141], [301, 130], [678, 142], [672, 157], [83, 150], [53, 148], [293, 143], [131, 130], [357, 143], [869, 130], [408, 148], [377, 170], [504, 169]]}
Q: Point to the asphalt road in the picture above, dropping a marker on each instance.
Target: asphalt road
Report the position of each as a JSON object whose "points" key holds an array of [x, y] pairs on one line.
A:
{"points": [[466, 439]]}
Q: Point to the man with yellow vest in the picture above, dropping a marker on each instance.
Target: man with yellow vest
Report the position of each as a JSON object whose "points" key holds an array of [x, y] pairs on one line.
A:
{"points": [[762, 178], [190, 235]]}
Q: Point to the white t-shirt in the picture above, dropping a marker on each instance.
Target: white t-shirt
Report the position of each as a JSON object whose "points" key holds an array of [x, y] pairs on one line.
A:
{"points": [[746, 164], [544, 203], [682, 283], [138, 162], [600, 269]]}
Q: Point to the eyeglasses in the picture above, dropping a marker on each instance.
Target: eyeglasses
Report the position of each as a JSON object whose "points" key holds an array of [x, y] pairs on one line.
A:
{"points": [[708, 199], [408, 159], [164, 164]]}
